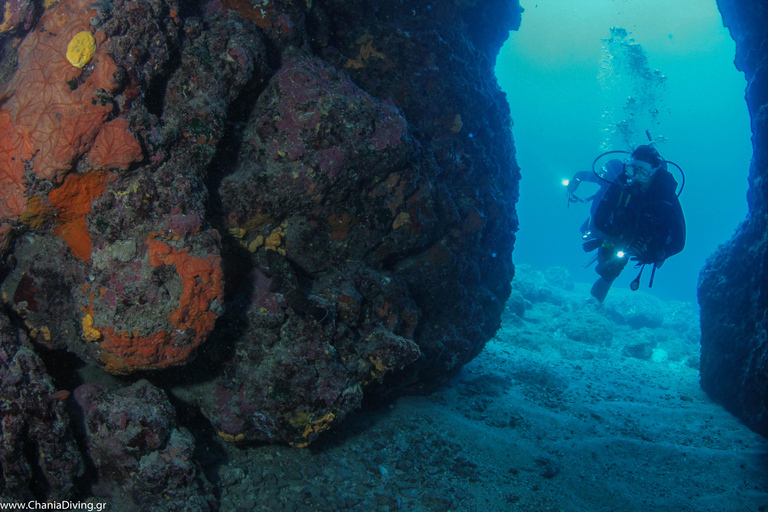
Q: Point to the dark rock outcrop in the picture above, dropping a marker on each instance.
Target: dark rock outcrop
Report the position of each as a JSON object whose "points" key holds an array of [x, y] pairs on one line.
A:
{"points": [[733, 286], [318, 194], [38, 455], [120, 263], [142, 459]]}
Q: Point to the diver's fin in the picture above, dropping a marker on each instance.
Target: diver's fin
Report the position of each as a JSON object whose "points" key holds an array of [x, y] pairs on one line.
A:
{"points": [[600, 289]]}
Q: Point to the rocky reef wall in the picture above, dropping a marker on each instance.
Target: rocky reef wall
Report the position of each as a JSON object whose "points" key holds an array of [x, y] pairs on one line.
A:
{"points": [[733, 286], [268, 209]]}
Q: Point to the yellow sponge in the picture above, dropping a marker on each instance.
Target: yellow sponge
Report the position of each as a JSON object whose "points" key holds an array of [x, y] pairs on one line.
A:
{"points": [[81, 48]]}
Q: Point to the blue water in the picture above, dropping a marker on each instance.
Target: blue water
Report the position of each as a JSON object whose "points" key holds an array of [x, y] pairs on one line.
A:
{"points": [[567, 89]]}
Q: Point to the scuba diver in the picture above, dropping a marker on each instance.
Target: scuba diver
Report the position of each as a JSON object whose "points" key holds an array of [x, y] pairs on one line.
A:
{"points": [[635, 215]]}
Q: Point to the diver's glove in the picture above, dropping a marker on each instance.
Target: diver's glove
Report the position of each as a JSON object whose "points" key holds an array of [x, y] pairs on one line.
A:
{"points": [[570, 190]]}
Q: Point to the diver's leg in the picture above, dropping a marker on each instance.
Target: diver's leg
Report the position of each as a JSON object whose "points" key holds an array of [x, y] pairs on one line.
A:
{"points": [[585, 226], [609, 266], [600, 289]]}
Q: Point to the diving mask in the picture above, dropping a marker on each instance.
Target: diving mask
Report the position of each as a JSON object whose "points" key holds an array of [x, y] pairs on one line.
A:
{"points": [[637, 170]]}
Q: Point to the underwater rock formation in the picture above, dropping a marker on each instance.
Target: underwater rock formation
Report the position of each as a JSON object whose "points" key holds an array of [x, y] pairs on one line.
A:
{"points": [[38, 454], [118, 266], [319, 195], [142, 459], [733, 286]]}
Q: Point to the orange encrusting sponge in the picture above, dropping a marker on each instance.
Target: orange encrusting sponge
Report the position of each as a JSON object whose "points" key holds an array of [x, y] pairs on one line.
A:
{"points": [[72, 201], [202, 280], [49, 115]]}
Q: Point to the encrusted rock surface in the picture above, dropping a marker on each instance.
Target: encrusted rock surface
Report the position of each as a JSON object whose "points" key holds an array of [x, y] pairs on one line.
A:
{"points": [[733, 286], [319, 195], [143, 461], [39, 458], [119, 266]]}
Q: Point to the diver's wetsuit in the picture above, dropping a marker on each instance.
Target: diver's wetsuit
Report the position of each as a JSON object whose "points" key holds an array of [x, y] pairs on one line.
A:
{"points": [[646, 224]]}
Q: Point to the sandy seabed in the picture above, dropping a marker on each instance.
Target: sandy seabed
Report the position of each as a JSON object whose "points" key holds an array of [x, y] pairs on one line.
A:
{"points": [[539, 421]]}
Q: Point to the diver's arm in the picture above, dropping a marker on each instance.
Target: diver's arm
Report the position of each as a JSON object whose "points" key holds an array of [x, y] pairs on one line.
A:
{"points": [[610, 174], [585, 176], [580, 176], [671, 215], [669, 238], [676, 239]]}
